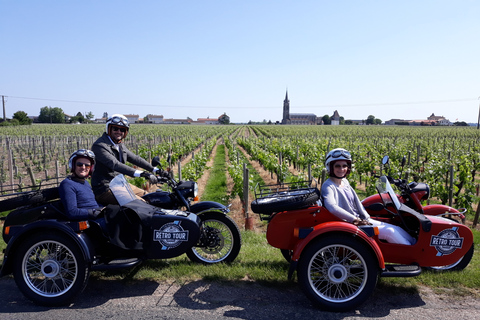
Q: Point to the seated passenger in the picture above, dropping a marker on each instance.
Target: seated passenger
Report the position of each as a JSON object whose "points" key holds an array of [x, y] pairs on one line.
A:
{"points": [[75, 191], [342, 201]]}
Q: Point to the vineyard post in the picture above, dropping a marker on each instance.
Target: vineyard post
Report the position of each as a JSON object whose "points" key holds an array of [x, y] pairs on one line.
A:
{"points": [[477, 214], [57, 171], [248, 219], [450, 192], [10, 163], [32, 177], [179, 171]]}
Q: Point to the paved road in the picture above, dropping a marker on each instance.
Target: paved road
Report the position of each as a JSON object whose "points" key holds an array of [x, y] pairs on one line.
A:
{"points": [[104, 299]]}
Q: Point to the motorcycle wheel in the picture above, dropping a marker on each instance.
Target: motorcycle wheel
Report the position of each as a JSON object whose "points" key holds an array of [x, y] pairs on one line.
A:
{"points": [[461, 264], [220, 240], [337, 273], [49, 269]]}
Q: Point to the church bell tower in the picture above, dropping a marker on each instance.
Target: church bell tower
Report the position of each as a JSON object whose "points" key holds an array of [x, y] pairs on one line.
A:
{"points": [[286, 110]]}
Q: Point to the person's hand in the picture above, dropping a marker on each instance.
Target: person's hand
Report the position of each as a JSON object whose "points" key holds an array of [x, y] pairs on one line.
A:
{"points": [[360, 222], [151, 178], [163, 173], [97, 212]]}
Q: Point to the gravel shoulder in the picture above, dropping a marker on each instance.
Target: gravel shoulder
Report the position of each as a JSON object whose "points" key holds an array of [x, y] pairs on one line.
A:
{"points": [[235, 300]]}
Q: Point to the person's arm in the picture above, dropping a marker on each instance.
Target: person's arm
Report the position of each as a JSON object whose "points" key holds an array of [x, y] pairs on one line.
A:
{"points": [[104, 154], [137, 160], [68, 195]]}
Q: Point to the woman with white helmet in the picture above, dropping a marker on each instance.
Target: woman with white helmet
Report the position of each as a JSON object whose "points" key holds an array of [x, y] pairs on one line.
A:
{"points": [[341, 200], [75, 191]]}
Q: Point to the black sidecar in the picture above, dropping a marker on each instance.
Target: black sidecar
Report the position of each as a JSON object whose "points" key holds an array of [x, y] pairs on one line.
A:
{"points": [[51, 256]]}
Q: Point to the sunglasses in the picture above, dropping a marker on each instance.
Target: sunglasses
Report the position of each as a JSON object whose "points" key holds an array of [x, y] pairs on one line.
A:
{"points": [[119, 129], [87, 165]]}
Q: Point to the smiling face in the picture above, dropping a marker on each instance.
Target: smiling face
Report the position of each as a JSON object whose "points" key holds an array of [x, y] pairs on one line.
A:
{"points": [[117, 133], [340, 169], [82, 167]]}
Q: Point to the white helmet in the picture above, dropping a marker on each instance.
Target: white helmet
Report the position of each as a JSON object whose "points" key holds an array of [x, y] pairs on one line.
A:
{"points": [[336, 155], [81, 153], [118, 120]]}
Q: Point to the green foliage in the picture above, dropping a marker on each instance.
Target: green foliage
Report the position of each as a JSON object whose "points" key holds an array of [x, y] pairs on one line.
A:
{"points": [[22, 118], [51, 115]]}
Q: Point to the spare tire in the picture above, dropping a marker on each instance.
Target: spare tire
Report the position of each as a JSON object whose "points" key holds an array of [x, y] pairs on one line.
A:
{"points": [[284, 201]]}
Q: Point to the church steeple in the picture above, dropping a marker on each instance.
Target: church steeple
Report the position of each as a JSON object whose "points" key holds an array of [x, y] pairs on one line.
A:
{"points": [[286, 109]]}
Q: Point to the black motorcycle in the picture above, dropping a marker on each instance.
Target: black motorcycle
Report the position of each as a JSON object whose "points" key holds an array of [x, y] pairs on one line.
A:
{"points": [[51, 256]]}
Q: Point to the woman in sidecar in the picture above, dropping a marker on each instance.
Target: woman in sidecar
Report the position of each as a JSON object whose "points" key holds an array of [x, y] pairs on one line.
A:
{"points": [[341, 200]]}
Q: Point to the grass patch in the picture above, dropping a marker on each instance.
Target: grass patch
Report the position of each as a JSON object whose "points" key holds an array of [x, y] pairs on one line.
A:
{"points": [[216, 187]]}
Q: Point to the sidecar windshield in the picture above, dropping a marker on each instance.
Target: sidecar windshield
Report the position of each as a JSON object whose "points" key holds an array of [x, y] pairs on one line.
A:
{"points": [[386, 192], [121, 190]]}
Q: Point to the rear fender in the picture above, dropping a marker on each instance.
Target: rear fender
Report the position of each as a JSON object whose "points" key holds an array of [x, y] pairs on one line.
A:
{"points": [[443, 210], [326, 228], [204, 206], [21, 232]]}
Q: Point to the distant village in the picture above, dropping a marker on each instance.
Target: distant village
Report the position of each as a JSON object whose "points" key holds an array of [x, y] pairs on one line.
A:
{"points": [[159, 119], [336, 119]]}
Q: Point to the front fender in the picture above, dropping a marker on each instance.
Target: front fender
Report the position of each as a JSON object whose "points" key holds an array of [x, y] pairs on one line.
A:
{"points": [[20, 232], [338, 227], [204, 206]]}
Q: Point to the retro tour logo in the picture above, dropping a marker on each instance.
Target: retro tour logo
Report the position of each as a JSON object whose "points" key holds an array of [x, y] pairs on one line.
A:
{"points": [[447, 241], [170, 235]]}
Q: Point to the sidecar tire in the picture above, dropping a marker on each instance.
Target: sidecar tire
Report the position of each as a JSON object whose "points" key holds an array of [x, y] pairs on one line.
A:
{"points": [[337, 273], [49, 269], [224, 238], [289, 200], [461, 264]]}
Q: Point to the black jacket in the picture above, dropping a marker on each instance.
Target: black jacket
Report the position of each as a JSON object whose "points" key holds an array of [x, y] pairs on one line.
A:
{"points": [[107, 164]]}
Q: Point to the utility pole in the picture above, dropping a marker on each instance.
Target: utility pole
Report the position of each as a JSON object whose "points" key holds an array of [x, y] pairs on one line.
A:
{"points": [[3, 103], [478, 121]]}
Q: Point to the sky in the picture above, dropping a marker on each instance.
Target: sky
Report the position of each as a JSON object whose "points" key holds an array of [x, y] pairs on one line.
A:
{"points": [[390, 59]]}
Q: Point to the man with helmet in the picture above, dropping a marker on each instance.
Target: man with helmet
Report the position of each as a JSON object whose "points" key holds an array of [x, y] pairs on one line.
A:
{"points": [[111, 158], [75, 191], [341, 200]]}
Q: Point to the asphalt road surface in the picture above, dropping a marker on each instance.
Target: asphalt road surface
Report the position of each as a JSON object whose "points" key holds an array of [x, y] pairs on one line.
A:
{"points": [[103, 299]]}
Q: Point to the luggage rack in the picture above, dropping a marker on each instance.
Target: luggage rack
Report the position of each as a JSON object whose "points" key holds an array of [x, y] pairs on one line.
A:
{"points": [[270, 199], [282, 188]]}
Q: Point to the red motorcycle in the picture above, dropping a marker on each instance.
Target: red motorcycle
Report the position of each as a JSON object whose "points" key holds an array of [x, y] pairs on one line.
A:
{"points": [[338, 263], [412, 194]]}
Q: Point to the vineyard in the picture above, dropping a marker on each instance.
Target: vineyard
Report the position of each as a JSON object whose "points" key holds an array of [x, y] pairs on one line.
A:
{"points": [[448, 159]]}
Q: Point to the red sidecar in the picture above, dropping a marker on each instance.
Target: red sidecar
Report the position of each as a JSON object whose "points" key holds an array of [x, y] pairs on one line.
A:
{"points": [[338, 263]]}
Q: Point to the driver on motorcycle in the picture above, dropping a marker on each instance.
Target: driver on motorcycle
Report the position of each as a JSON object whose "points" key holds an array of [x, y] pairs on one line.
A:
{"points": [[75, 191], [341, 200], [112, 156]]}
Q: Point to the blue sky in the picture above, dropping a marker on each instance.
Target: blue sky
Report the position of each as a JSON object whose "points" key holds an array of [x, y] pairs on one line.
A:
{"points": [[391, 59]]}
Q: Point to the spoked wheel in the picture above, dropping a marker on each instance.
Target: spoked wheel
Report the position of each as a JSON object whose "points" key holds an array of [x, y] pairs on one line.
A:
{"points": [[337, 273], [220, 240], [49, 269]]}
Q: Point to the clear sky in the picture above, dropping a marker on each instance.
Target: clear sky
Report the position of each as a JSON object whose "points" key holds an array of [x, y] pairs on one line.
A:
{"points": [[200, 58]]}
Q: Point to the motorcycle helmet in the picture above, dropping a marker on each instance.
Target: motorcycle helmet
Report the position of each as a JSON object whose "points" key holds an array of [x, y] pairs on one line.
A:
{"points": [[336, 155], [118, 120], [81, 153]]}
